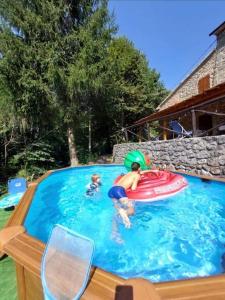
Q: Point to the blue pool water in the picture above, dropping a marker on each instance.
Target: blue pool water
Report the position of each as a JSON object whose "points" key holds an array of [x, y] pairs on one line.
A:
{"points": [[180, 237]]}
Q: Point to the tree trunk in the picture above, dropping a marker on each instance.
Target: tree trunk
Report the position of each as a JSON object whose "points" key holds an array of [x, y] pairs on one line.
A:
{"points": [[6, 154], [72, 147], [122, 119], [89, 135]]}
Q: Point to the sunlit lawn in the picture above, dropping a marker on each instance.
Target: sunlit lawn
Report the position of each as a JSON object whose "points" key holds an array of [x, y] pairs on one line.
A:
{"points": [[7, 269]]}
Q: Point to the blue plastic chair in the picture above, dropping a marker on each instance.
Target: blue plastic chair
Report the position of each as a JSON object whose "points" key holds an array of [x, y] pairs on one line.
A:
{"points": [[17, 185], [66, 264], [179, 130], [16, 189]]}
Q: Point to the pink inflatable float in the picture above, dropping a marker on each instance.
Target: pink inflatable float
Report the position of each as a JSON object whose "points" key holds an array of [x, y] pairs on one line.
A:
{"points": [[156, 185]]}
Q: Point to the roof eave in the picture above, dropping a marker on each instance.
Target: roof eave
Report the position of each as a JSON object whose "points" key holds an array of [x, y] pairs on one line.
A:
{"points": [[197, 100], [218, 30]]}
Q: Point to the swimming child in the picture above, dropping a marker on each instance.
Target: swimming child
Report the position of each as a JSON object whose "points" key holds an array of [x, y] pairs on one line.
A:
{"points": [[117, 193], [93, 187]]}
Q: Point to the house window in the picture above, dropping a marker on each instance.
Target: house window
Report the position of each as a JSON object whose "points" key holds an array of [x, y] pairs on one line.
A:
{"points": [[203, 84]]}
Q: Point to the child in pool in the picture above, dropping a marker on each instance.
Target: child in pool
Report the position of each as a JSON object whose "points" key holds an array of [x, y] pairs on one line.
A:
{"points": [[93, 187], [117, 193]]}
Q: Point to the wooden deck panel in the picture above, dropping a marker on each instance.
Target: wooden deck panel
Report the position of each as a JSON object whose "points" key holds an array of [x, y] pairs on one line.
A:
{"points": [[212, 287], [27, 252], [26, 239], [102, 285], [21, 286], [22, 256], [34, 289]]}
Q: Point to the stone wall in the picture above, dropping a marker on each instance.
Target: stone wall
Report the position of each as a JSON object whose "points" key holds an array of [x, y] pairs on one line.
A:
{"points": [[220, 60], [202, 156]]}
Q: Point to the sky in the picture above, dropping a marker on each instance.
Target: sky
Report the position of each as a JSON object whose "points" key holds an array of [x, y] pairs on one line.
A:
{"points": [[173, 34]]}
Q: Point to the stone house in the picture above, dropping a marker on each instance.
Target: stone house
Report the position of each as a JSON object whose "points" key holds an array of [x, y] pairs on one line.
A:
{"points": [[209, 73], [198, 101], [198, 104]]}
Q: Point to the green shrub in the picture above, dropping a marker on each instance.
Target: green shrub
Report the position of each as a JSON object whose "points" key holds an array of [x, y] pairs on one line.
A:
{"points": [[33, 161]]}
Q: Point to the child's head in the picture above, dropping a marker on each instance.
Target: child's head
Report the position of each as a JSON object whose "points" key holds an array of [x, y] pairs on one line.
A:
{"points": [[135, 166], [95, 178]]}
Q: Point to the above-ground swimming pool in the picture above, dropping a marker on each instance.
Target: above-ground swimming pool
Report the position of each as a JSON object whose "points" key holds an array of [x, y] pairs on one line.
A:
{"points": [[178, 237]]}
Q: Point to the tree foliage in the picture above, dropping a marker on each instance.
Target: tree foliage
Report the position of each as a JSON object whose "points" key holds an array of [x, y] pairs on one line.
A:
{"points": [[136, 89], [65, 77]]}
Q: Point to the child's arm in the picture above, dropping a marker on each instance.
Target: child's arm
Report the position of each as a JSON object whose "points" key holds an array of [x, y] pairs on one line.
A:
{"points": [[145, 171], [135, 182]]}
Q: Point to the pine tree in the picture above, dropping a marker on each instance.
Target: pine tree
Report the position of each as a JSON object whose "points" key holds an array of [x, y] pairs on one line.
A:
{"points": [[52, 53], [136, 89]]}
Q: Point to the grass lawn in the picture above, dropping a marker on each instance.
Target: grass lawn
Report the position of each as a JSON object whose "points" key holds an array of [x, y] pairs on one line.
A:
{"points": [[8, 289]]}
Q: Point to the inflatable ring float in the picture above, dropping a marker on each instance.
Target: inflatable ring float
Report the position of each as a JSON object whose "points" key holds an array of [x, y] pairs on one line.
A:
{"points": [[156, 185]]}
